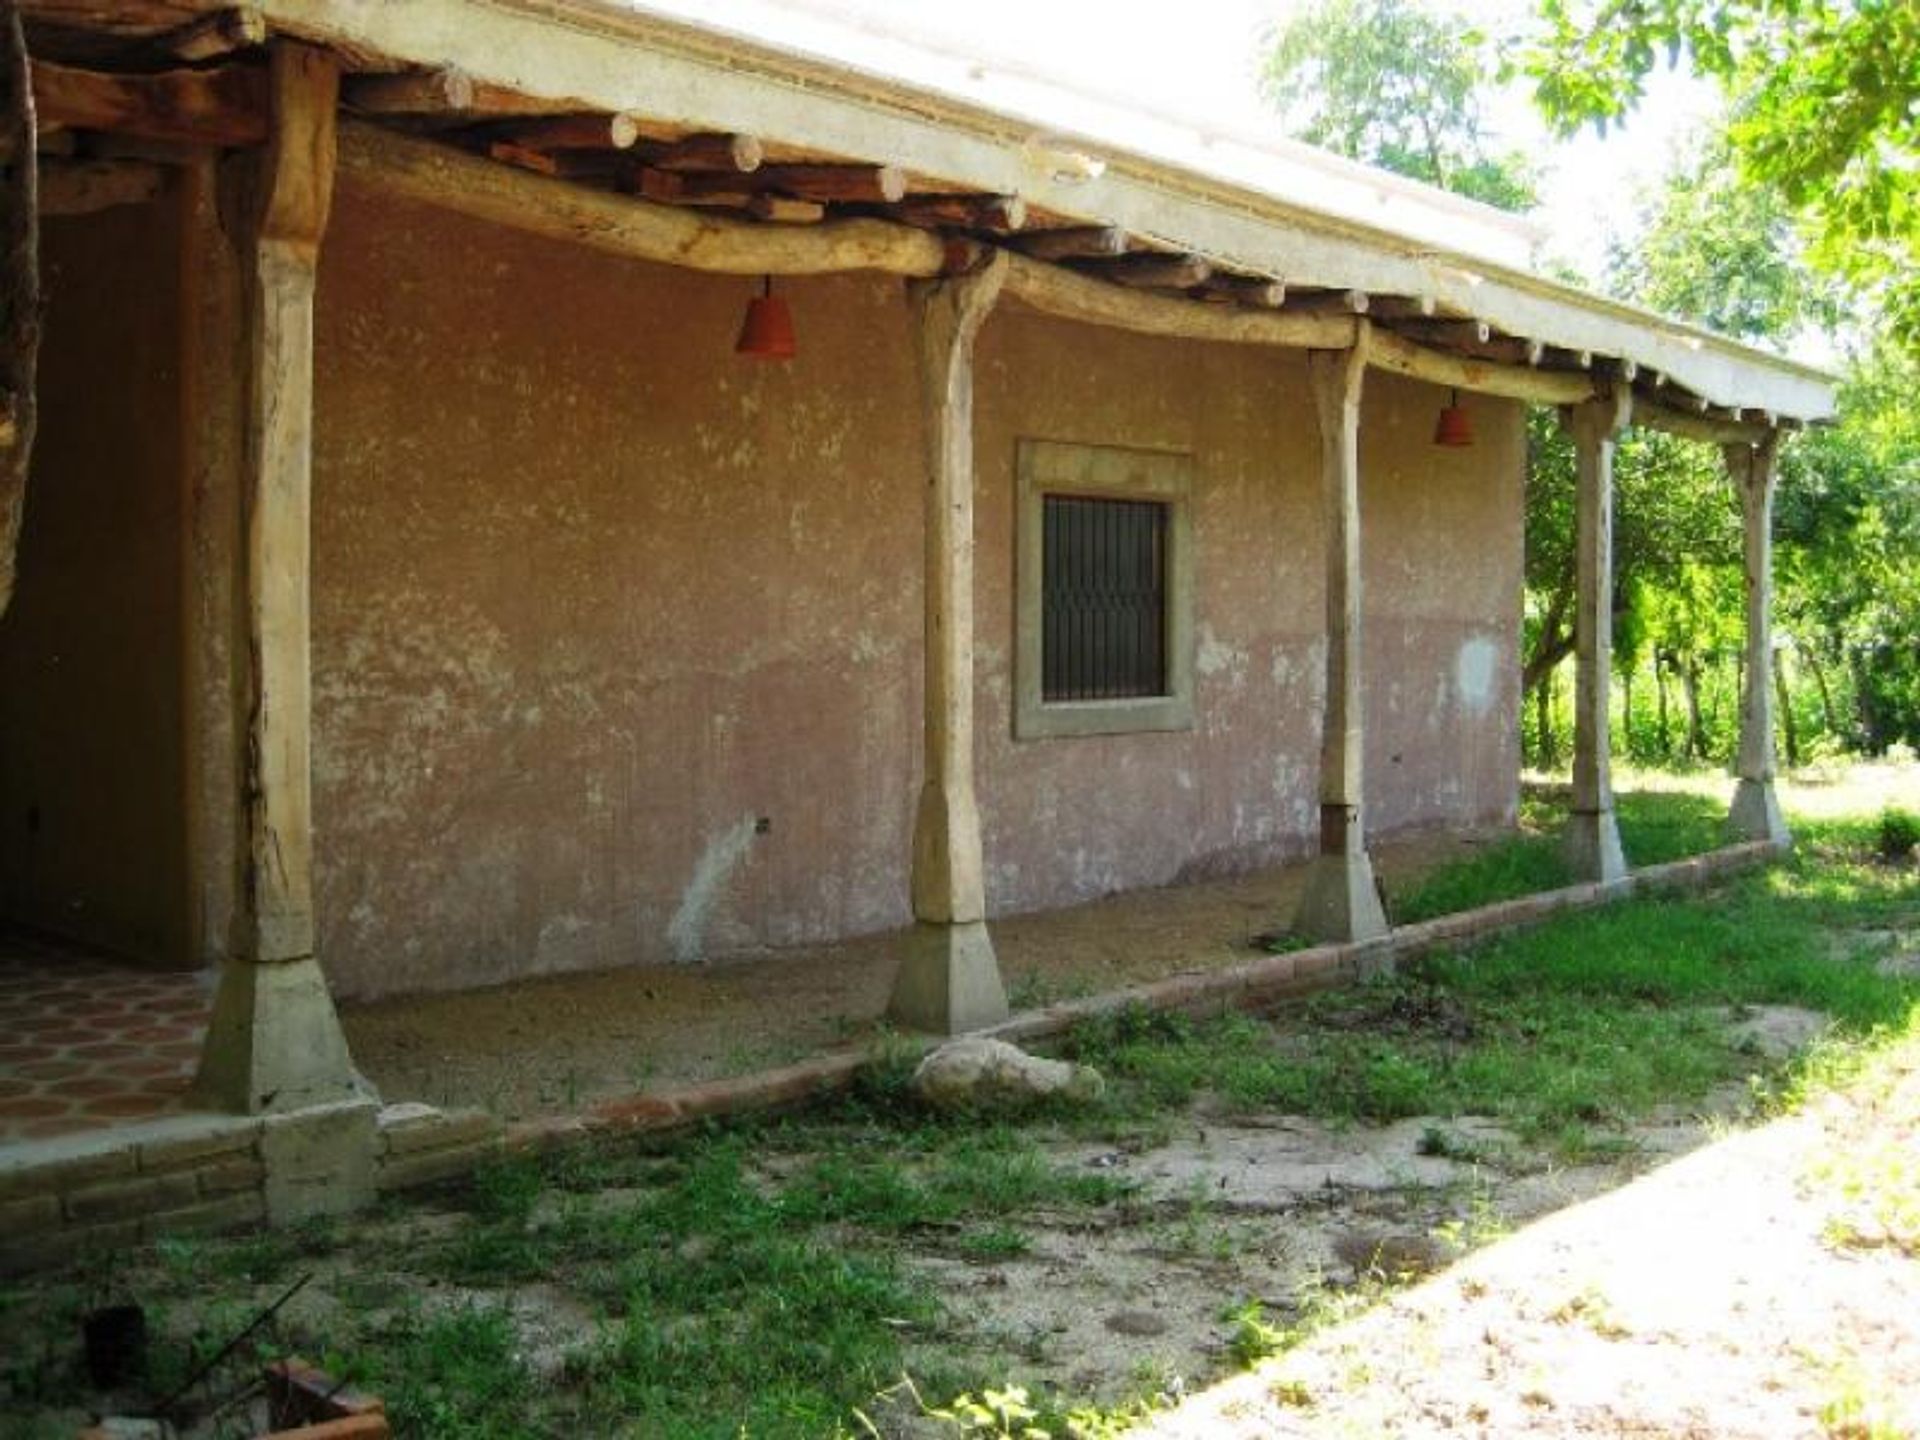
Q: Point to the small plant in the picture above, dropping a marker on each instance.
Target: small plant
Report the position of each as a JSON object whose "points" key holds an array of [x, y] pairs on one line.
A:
{"points": [[1253, 1339], [1897, 833], [1000, 1414]]}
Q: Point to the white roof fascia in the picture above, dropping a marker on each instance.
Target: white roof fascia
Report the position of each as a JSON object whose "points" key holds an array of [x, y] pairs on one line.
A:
{"points": [[616, 56]]}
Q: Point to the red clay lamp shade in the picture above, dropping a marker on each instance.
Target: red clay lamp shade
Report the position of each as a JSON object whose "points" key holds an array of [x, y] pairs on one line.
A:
{"points": [[767, 332], [1455, 429]]}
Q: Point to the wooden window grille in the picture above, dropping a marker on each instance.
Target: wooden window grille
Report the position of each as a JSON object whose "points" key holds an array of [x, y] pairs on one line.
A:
{"points": [[1104, 598]]}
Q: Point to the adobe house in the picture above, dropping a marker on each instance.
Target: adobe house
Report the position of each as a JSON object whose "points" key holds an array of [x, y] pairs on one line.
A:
{"points": [[425, 583]]}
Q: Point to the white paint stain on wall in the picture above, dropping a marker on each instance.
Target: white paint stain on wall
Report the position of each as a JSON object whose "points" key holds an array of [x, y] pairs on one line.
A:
{"points": [[687, 930], [1473, 672]]}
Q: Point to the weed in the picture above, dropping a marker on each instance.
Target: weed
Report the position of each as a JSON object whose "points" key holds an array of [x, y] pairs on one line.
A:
{"points": [[1897, 833]]}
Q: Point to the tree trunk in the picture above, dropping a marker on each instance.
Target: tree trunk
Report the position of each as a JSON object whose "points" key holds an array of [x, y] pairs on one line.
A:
{"points": [[1789, 732], [1866, 704], [1690, 688], [1827, 717], [1626, 711], [1543, 717], [19, 288], [1661, 664]]}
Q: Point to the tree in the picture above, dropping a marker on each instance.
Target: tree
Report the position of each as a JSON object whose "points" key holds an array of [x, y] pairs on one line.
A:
{"points": [[1825, 101], [1394, 84]]}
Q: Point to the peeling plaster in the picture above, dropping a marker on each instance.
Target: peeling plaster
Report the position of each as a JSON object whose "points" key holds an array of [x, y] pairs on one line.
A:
{"points": [[687, 930], [1473, 674]]}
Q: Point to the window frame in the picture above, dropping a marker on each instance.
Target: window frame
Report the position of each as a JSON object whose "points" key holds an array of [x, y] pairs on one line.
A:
{"points": [[1101, 472]]}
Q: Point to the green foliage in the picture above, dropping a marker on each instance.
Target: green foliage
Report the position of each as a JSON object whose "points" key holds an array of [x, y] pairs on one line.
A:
{"points": [[1396, 84], [1826, 97], [1897, 834]]}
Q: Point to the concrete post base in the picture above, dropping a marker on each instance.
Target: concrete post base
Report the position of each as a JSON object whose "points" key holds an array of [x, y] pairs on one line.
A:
{"points": [[949, 980], [274, 1043], [1592, 847], [1341, 901], [1755, 814]]}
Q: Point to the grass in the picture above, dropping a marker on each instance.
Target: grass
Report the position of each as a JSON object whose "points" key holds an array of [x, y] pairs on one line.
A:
{"points": [[769, 1278], [1655, 826]]}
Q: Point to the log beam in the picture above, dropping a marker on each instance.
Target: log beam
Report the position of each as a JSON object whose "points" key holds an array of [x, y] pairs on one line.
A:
{"points": [[223, 106], [1460, 372], [741, 154], [217, 33], [1593, 835], [949, 980], [625, 225], [1156, 272], [1074, 242], [274, 1042], [1341, 901], [1001, 214], [1694, 426], [574, 132], [1756, 808], [1071, 296]]}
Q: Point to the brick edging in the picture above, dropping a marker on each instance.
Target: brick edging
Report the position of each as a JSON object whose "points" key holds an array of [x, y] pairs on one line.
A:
{"points": [[1244, 985]]}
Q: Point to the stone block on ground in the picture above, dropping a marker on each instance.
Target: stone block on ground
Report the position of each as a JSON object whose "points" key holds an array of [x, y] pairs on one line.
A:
{"points": [[975, 1073]]}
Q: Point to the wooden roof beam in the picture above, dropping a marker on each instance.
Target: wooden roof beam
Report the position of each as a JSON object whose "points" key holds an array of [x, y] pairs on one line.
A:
{"points": [[222, 106], [1332, 302], [1155, 272], [1249, 289], [738, 154], [1397, 354], [1002, 214], [217, 33], [1074, 242], [573, 132]]}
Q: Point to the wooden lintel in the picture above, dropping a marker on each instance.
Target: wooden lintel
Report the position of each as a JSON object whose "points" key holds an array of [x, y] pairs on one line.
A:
{"points": [[81, 187], [224, 106], [217, 33], [1074, 242], [1073, 296], [1156, 272], [1001, 214], [1395, 353], [741, 154], [574, 132], [1332, 302], [623, 224]]}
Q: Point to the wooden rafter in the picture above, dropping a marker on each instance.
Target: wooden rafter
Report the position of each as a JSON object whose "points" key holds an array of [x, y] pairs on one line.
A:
{"points": [[225, 105]]}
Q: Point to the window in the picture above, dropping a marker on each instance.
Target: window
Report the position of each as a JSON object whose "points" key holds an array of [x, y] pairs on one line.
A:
{"points": [[1104, 591]]}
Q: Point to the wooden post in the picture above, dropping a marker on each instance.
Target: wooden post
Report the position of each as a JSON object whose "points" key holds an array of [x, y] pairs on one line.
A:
{"points": [[1341, 901], [19, 290], [949, 979], [275, 1043], [1756, 809], [1593, 835]]}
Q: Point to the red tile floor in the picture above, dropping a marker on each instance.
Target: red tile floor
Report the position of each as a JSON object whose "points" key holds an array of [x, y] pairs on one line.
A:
{"points": [[86, 1043]]}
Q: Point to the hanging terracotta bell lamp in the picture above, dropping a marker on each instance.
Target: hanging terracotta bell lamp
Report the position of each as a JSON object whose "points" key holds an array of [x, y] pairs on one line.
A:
{"points": [[1455, 429], [767, 332]]}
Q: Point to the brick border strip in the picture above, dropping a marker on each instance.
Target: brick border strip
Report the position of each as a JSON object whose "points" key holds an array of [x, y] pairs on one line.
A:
{"points": [[1253, 984]]}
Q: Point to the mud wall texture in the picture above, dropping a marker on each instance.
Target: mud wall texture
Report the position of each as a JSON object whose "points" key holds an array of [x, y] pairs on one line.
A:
{"points": [[617, 636], [92, 831]]}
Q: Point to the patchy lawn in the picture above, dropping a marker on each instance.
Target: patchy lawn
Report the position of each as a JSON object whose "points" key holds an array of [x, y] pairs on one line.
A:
{"points": [[1245, 1183]]}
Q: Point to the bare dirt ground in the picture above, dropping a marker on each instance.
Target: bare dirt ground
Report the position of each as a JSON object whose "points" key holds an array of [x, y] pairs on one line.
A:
{"points": [[557, 1044], [1707, 1298], [1287, 1209]]}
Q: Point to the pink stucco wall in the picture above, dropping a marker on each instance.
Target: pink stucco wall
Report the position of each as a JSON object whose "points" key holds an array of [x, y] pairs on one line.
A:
{"points": [[617, 636]]}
